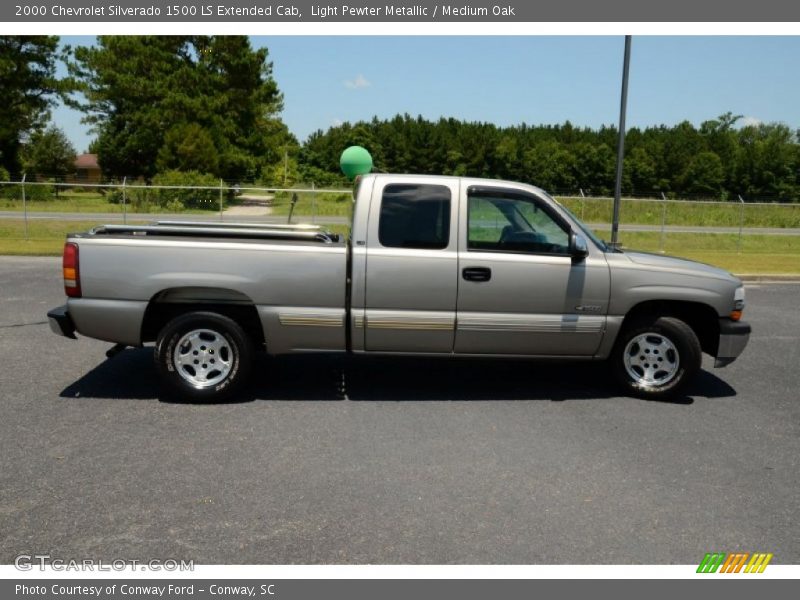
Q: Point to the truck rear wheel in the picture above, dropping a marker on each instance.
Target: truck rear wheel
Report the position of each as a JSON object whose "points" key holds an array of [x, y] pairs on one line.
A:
{"points": [[656, 358], [203, 356]]}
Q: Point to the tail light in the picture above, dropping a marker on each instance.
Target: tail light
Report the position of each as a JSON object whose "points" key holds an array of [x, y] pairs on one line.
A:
{"points": [[72, 272]]}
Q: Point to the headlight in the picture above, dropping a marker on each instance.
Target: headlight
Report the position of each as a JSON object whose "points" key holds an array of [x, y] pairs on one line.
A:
{"points": [[738, 303]]}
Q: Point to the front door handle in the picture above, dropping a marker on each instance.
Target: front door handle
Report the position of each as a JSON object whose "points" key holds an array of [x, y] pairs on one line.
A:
{"points": [[477, 273]]}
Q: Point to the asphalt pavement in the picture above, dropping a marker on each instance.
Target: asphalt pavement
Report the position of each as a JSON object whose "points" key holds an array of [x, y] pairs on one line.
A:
{"points": [[392, 461]]}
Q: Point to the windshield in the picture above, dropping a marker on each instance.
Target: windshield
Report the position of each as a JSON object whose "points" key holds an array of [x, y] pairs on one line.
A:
{"points": [[584, 228]]}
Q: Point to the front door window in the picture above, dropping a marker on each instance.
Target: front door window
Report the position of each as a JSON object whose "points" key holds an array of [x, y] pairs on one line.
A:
{"points": [[513, 224]]}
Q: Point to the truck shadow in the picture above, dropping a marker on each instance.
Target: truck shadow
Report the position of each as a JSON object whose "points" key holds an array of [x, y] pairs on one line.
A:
{"points": [[131, 375]]}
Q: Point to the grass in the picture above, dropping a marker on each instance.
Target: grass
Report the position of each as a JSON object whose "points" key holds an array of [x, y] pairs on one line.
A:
{"points": [[598, 210], [45, 236], [74, 202], [590, 210], [87, 202], [648, 212], [323, 205], [760, 254]]}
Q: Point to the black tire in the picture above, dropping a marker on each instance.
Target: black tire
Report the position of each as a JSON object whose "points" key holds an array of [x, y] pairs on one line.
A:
{"points": [[217, 363], [667, 372]]}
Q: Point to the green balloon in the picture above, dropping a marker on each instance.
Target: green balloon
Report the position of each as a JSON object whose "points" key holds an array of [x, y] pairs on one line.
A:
{"points": [[355, 161]]}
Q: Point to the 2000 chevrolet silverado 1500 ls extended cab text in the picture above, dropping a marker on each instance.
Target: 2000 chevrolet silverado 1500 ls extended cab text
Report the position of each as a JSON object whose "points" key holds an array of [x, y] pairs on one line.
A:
{"points": [[436, 266]]}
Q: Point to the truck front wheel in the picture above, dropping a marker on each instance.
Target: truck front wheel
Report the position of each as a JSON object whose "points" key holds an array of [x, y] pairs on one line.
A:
{"points": [[656, 358], [203, 356]]}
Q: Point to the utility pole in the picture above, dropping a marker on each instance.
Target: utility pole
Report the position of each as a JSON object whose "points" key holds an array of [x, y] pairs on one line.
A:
{"points": [[623, 105]]}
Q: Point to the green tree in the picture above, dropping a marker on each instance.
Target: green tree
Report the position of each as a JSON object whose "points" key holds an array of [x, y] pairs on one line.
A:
{"points": [[681, 144], [641, 170], [551, 166], [595, 168], [720, 135], [188, 147], [767, 164], [718, 159], [704, 175], [139, 88], [49, 154], [29, 87]]}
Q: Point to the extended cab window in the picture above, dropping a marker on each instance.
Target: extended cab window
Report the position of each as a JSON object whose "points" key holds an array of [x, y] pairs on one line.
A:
{"points": [[415, 216], [513, 224]]}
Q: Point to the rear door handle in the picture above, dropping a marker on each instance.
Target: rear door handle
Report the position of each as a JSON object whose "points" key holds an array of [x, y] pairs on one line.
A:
{"points": [[477, 273]]}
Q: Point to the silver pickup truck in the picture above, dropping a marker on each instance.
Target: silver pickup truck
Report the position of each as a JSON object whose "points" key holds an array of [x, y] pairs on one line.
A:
{"points": [[435, 266]]}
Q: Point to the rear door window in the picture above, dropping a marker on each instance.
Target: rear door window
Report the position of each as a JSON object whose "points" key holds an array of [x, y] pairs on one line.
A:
{"points": [[415, 216]]}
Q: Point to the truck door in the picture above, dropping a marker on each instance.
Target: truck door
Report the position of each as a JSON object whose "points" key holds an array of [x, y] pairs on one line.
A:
{"points": [[520, 291], [411, 266]]}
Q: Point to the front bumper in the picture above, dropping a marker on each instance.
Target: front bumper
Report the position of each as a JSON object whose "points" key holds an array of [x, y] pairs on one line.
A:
{"points": [[61, 323], [733, 337]]}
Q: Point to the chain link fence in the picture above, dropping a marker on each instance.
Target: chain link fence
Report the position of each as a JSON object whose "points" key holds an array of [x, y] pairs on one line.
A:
{"points": [[689, 216], [29, 200], [136, 201]]}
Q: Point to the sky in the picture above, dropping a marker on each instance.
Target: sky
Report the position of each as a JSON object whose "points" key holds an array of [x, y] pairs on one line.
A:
{"points": [[509, 80]]}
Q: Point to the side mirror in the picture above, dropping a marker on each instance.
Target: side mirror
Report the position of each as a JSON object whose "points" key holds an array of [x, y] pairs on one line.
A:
{"points": [[577, 246]]}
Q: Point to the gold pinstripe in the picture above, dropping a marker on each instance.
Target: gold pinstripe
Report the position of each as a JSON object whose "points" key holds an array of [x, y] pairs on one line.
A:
{"points": [[310, 320]]}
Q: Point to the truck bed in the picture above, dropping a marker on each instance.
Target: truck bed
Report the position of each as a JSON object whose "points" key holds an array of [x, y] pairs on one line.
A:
{"points": [[294, 277]]}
